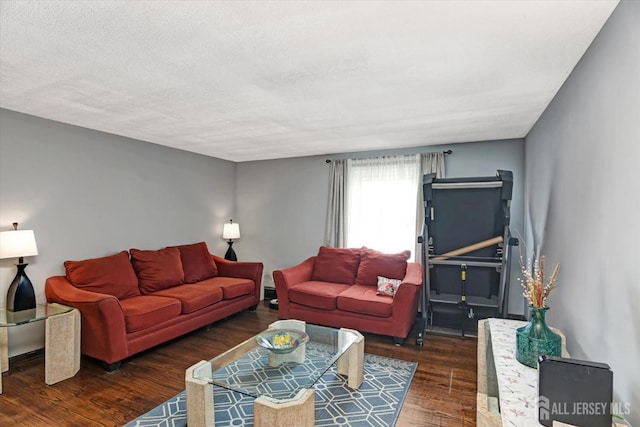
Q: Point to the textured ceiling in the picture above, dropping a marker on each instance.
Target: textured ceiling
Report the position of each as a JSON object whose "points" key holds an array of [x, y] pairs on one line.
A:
{"points": [[260, 80]]}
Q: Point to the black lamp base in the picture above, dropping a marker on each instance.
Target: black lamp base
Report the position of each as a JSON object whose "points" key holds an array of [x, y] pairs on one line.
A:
{"points": [[230, 255], [21, 295]]}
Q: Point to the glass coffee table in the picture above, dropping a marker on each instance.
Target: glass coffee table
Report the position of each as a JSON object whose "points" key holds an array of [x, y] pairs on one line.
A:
{"points": [[282, 384]]}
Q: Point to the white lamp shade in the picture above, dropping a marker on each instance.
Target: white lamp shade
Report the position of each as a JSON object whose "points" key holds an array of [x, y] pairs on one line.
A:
{"points": [[17, 243], [231, 230]]}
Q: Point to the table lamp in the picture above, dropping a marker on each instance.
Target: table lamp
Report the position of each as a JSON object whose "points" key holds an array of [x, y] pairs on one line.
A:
{"points": [[230, 231], [19, 244]]}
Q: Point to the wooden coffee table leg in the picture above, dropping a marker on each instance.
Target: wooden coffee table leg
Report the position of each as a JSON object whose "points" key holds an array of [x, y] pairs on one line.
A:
{"points": [[351, 363], [199, 397], [299, 411]]}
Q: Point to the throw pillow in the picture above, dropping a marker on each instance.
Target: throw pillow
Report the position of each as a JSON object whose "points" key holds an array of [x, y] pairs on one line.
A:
{"points": [[157, 270], [388, 286], [374, 264], [336, 265], [197, 263], [111, 275]]}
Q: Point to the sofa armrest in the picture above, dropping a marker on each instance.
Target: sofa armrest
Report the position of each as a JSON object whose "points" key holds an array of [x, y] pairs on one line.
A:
{"points": [[243, 270], [413, 276], [59, 289], [406, 295], [410, 287], [103, 327], [405, 302], [288, 277]]}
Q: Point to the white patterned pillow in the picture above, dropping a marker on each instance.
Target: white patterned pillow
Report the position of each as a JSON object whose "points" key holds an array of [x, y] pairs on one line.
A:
{"points": [[388, 286]]}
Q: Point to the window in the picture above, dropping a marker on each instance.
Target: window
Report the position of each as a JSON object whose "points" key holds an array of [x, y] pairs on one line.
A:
{"points": [[381, 199]]}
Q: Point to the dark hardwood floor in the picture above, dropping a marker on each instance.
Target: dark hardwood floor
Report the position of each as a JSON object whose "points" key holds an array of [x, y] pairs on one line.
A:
{"points": [[442, 393]]}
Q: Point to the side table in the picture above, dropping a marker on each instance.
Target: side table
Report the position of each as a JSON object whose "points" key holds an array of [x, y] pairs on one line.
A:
{"points": [[62, 339], [507, 390]]}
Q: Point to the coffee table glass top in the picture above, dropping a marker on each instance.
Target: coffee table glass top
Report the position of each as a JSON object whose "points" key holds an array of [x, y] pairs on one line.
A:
{"points": [[41, 312], [253, 370]]}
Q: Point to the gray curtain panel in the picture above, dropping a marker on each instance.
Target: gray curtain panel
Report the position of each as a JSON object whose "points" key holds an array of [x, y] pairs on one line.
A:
{"points": [[335, 234]]}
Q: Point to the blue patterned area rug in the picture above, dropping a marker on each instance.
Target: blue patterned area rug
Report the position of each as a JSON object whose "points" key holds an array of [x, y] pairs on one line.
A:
{"points": [[376, 404]]}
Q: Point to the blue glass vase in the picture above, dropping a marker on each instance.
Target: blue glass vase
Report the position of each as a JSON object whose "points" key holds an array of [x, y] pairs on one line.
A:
{"points": [[536, 339]]}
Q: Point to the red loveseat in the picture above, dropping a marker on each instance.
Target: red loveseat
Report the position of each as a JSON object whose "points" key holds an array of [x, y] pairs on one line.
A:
{"points": [[128, 305], [339, 288]]}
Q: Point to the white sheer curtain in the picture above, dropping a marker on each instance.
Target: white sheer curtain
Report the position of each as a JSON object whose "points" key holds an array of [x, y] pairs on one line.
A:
{"points": [[381, 203]]}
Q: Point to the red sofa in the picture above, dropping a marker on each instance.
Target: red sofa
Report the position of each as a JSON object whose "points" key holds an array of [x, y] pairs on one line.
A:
{"points": [[130, 303], [339, 288]]}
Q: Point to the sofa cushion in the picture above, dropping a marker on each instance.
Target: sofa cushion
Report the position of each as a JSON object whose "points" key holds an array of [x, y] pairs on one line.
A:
{"points": [[112, 275], [197, 263], [193, 296], [362, 299], [374, 264], [144, 311], [336, 265], [157, 270], [316, 294], [232, 287]]}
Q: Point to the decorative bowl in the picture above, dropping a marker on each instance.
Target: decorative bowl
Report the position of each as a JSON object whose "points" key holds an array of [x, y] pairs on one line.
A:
{"points": [[281, 341]]}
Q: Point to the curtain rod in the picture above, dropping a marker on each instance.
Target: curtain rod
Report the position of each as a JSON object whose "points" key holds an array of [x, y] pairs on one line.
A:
{"points": [[444, 152]]}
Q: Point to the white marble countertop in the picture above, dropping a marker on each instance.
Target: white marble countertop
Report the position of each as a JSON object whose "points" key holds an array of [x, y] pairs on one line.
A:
{"points": [[517, 383]]}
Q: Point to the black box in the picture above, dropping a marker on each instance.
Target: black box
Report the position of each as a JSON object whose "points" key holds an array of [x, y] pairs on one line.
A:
{"points": [[575, 392]]}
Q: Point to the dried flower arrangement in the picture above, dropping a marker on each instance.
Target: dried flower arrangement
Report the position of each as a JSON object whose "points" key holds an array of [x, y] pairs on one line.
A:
{"points": [[536, 290]]}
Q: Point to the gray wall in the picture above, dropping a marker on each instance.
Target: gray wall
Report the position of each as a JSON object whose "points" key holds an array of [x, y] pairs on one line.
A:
{"points": [[582, 187], [281, 207], [282, 204], [88, 194]]}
